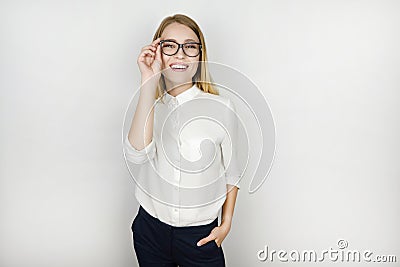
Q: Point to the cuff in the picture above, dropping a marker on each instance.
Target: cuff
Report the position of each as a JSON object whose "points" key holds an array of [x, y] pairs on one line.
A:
{"points": [[139, 156], [235, 181]]}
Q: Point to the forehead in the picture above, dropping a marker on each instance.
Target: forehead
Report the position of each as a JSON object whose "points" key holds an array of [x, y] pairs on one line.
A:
{"points": [[179, 32]]}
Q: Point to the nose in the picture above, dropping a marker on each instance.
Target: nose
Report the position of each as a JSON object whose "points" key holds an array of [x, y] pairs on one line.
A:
{"points": [[180, 53]]}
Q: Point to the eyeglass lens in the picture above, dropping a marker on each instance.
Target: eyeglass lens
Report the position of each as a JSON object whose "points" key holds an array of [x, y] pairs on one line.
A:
{"points": [[171, 48]]}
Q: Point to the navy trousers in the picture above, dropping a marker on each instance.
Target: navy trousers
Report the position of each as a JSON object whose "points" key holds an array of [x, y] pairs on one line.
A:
{"points": [[159, 244]]}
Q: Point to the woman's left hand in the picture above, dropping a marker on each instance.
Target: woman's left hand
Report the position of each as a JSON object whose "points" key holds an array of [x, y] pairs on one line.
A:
{"points": [[218, 234]]}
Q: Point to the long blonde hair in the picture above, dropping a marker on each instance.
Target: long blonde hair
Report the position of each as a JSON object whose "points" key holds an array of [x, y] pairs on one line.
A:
{"points": [[202, 78]]}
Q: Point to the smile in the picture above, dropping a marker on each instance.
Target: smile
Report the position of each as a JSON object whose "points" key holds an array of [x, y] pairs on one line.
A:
{"points": [[178, 66]]}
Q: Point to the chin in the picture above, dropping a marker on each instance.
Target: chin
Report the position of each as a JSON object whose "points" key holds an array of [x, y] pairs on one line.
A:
{"points": [[178, 78]]}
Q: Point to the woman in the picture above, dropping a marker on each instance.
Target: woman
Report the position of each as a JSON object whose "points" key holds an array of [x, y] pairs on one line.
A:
{"points": [[174, 72]]}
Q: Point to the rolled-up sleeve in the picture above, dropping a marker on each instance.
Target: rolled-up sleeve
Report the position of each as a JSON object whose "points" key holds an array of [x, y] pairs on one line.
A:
{"points": [[229, 147], [139, 156]]}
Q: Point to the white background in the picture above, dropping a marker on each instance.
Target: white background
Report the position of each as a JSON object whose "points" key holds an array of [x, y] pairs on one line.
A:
{"points": [[330, 73]]}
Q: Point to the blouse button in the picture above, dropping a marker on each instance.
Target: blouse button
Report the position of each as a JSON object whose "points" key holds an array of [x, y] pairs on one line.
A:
{"points": [[173, 103]]}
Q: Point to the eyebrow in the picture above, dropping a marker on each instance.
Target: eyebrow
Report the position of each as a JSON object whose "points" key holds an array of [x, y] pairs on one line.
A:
{"points": [[171, 39]]}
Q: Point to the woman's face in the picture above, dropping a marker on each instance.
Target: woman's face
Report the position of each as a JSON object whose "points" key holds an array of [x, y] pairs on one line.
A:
{"points": [[181, 34]]}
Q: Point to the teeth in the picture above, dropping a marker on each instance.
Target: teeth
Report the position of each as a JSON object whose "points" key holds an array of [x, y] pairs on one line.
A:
{"points": [[178, 66]]}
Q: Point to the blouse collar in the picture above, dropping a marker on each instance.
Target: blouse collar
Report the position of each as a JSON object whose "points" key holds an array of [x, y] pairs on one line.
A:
{"points": [[181, 98]]}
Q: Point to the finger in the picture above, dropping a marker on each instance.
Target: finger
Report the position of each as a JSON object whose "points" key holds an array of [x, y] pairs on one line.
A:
{"points": [[157, 59], [148, 52], [151, 48], [158, 53], [145, 59], [155, 42], [205, 240], [148, 47]]}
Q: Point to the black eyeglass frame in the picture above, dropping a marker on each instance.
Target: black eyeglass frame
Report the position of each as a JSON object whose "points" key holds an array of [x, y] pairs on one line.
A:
{"points": [[180, 46]]}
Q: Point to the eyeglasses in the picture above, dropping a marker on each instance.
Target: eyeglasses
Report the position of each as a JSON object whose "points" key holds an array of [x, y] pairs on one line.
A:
{"points": [[170, 48]]}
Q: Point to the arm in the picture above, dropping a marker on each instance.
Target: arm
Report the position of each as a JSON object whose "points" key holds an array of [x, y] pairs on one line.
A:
{"points": [[219, 233], [229, 206], [141, 132], [139, 144], [231, 164], [232, 176]]}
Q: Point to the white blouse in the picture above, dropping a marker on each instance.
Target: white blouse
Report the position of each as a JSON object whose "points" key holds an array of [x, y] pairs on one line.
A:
{"points": [[181, 175]]}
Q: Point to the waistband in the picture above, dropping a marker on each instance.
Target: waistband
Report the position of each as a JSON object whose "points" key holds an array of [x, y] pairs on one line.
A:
{"points": [[191, 229]]}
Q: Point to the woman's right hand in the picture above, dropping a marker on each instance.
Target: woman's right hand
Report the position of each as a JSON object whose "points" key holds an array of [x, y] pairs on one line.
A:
{"points": [[149, 60]]}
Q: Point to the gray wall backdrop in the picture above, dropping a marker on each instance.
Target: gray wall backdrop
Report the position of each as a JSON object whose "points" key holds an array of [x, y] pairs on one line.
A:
{"points": [[329, 70]]}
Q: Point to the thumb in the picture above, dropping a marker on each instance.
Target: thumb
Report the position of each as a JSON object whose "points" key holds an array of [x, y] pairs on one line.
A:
{"points": [[158, 54]]}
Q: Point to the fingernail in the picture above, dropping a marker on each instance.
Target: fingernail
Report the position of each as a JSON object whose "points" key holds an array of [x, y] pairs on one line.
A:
{"points": [[198, 244]]}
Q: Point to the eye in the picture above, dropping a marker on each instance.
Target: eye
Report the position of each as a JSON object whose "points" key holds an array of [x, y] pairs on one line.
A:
{"points": [[191, 46], [169, 45]]}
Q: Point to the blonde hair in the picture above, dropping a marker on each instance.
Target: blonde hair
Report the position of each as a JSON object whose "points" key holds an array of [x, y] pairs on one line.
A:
{"points": [[202, 77]]}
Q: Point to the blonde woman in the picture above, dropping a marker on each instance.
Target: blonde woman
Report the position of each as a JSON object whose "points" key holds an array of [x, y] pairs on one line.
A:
{"points": [[174, 73]]}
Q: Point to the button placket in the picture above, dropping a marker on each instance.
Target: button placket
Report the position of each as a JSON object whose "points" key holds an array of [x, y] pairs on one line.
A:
{"points": [[175, 195], [177, 172], [176, 115]]}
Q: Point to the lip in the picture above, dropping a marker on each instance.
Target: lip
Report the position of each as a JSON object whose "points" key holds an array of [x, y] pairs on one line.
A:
{"points": [[178, 63]]}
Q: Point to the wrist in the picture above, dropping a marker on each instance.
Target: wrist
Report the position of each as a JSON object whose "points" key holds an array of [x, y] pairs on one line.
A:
{"points": [[148, 83], [148, 88], [226, 223]]}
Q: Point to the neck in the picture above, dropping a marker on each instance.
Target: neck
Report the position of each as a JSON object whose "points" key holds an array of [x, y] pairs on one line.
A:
{"points": [[177, 89]]}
